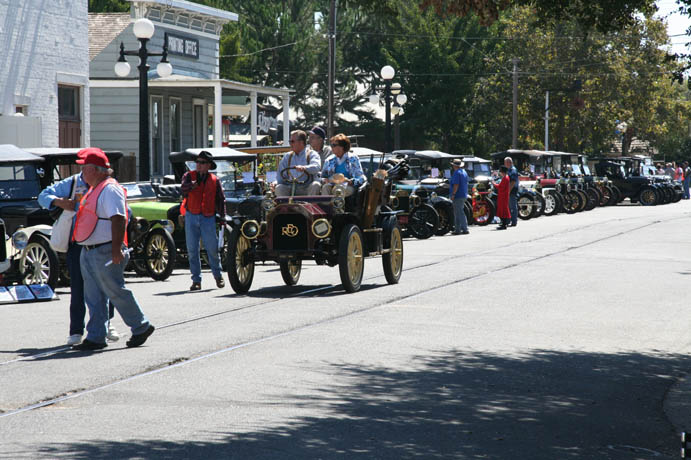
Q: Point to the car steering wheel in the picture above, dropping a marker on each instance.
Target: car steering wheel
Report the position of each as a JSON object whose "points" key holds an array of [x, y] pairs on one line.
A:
{"points": [[289, 178]]}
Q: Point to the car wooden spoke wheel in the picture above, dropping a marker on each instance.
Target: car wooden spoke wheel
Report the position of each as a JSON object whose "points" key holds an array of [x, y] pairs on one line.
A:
{"points": [[290, 271], [393, 260], [351, 262], [160, 253], [40, 264], [240, 267]]}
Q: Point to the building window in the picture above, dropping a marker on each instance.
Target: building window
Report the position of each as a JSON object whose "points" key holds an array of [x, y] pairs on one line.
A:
{"points": [[24, 110], [175, 124], [69, 116]]}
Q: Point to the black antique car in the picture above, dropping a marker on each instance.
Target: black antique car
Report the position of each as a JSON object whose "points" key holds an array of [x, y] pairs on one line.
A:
{"points": [[636, 188], [329, 229], [25, 255]]}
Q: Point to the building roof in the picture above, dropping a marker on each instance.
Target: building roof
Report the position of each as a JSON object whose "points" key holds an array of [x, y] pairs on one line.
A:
{"points": [[104, 28], [184, 5]]}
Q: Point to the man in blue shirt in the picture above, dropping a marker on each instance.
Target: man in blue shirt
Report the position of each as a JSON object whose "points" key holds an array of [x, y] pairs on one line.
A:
{"points": [[513, 193], [459, 193]]}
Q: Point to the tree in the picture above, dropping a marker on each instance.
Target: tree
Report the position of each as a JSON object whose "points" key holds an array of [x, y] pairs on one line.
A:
{"points": [[108, 6]]}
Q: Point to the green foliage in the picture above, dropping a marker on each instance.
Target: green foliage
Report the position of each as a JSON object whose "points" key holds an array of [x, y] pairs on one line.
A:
{"points": [[108, 6]]}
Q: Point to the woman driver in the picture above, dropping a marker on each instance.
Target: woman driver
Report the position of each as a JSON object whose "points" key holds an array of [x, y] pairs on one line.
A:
{"points": [[342, 167]]}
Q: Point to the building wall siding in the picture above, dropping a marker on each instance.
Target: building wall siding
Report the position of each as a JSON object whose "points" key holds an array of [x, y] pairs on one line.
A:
{"points": [[44, 43]]}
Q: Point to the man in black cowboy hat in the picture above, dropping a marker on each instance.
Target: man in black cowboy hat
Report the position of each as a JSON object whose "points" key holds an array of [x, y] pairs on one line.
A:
{"points": [[459, 193], [204, 202], [316, 138]]}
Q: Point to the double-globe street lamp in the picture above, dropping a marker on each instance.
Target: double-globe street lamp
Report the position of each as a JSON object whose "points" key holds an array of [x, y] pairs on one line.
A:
{"points": [[143, 30], [387, 73]]}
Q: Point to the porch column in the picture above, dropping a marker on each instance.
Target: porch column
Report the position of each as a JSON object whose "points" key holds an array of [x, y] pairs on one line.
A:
{"points": [[218, 115], [286, 119], [253, 116]]}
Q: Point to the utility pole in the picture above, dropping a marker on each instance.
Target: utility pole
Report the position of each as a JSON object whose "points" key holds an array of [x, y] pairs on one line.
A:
{"points": [[514, 137], [332, 69], [546, 120]]}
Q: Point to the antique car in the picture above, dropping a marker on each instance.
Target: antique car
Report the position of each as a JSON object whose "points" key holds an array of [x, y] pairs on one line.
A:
{"points": [[330, 229], [480, 208], [636, 188], [668, 190], [154, 251], [425, 189], [26, 256]]}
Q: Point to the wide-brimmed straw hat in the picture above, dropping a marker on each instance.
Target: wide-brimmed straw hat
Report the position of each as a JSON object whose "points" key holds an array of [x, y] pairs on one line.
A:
{"points": [[457, 162]]}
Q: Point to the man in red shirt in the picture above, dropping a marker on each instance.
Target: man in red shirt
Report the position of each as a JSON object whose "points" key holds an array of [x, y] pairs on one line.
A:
{"points": [[204, 202]]}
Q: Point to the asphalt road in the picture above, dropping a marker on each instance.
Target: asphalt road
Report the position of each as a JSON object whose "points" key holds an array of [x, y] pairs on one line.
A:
{"points": [[565, 337]]}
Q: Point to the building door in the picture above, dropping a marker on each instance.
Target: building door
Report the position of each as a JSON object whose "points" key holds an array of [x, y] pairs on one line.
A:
{"points": [[156, 135], [69, 119], [199, 124]]}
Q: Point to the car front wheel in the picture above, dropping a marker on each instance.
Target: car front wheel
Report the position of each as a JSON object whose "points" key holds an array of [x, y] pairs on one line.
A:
{"points": [[290, 271], [160, 252], [39, 263], [393, 260]]}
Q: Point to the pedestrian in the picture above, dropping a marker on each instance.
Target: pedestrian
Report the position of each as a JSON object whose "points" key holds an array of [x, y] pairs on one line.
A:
{"points": [[660, 169], [678, 172], [100, 228], [203, 203], [66, 195], [503, 198], [344, 163], [513, 194], [458, 195], [669, 170], [687, 179], [317, 142], [300, 164]]}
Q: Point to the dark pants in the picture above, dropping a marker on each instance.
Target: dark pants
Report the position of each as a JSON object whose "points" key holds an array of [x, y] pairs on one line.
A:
{"points": [[513, 207], [77, 305]]}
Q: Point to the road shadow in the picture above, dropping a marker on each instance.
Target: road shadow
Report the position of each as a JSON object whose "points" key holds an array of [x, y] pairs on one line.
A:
{"points": [[449, 404]]}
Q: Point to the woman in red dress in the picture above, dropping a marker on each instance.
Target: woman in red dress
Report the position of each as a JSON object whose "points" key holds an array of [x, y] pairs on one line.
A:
{"points": [[503, 198]]}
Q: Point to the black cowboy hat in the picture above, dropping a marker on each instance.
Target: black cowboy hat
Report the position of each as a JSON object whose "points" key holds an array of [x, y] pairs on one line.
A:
{"points": [[207, 156]]}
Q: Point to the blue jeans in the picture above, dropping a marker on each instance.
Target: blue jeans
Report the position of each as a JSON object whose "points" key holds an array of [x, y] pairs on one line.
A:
{"points": [[102, 283], [199, 226], [513, 207], [77, 305], [687, 182], [459, 218]]}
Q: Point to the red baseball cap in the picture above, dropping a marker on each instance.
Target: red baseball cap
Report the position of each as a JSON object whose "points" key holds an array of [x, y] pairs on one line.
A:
{"points": [[93, 156]]}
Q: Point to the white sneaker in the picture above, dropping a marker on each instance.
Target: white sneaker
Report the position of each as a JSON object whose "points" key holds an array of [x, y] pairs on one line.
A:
{"points": [[112, 335], [74, 339]]}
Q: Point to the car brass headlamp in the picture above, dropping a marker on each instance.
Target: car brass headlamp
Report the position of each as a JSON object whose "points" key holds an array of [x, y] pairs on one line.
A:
{"points": [[250, 229], [415, 200], [321, 228], [338, 203], [169, 226], [20, 240], [395, 202]]}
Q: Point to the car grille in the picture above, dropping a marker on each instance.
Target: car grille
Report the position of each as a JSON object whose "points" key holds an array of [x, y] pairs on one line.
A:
{"points": [[3, 246], [290, 232]]}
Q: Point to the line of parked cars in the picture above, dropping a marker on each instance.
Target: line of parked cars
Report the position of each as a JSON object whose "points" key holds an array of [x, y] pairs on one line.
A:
{"points": [[406, 195]]}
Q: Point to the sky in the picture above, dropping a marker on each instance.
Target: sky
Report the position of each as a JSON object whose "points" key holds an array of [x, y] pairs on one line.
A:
{"points": [[677, 24]]}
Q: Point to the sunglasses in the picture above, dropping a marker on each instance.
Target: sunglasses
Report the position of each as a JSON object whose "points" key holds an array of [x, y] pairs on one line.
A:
{"points": [[201, 162], [335, 145]]}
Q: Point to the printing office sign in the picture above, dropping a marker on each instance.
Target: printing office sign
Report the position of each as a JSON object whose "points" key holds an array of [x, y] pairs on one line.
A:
{"points": [[183, 46]]}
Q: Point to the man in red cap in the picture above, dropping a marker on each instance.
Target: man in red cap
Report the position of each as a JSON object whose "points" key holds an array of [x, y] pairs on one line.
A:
{"points": [[100, 229], [66, 195]]}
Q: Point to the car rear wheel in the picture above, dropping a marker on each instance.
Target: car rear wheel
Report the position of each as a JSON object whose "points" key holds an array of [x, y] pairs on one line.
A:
{"points": [[351, 258], [238, 265], [540, 205], [593, 199], [159, 253], [393, 260], [39, 263], [572, 202], [423, 221], [605, 196], [290, 271]]}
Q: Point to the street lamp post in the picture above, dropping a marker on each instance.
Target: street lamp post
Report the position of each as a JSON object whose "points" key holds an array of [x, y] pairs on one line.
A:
{"points": [[387, 73], [143, 30]]}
